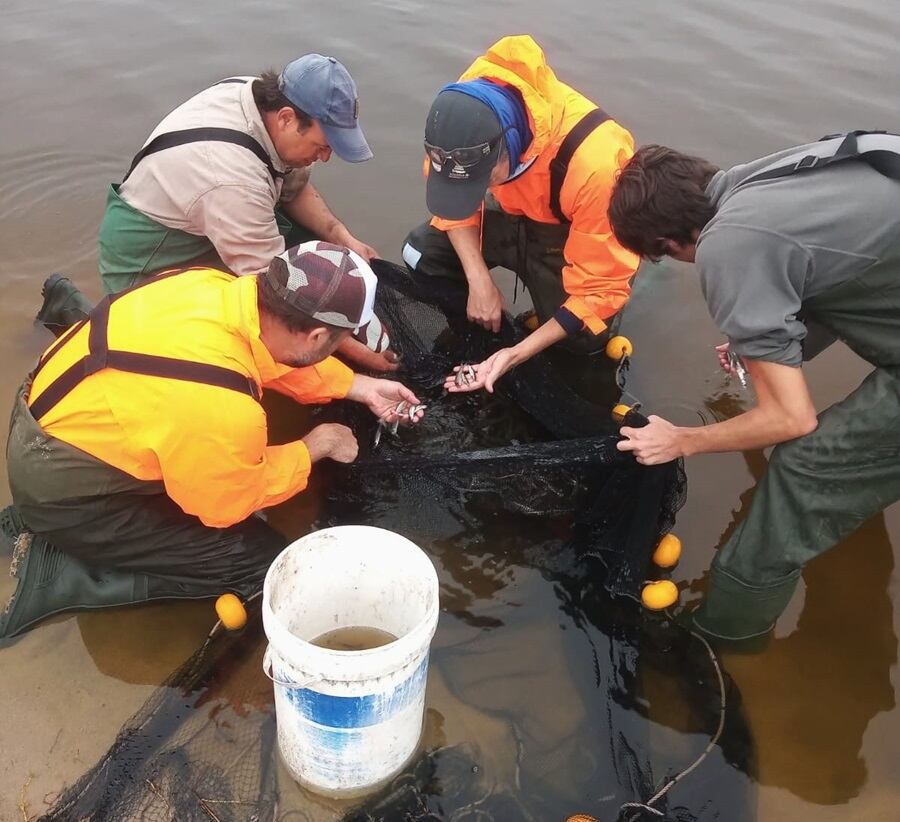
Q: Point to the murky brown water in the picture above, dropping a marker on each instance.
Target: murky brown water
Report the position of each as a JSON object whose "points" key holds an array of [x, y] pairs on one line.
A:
{"points": [[85, 82]]}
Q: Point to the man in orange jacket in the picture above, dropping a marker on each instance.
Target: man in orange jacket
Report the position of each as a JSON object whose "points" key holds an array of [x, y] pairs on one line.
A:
{"points": [[138, 450], [520, 168]]}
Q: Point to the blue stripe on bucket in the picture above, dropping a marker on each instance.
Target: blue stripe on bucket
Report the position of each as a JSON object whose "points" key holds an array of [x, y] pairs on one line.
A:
{"points": [[357, 711]]}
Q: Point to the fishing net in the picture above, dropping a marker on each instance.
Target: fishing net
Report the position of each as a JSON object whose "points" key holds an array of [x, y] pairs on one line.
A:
{"points": [[533, 519]]}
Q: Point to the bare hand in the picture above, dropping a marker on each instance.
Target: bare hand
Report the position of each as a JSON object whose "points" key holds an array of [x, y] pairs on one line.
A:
{"points": [[724, 360], [383, 397], [383, 362], [365, 251], [657, 442], [486, 373], [485, 304], [365, 359], [332, 441]]}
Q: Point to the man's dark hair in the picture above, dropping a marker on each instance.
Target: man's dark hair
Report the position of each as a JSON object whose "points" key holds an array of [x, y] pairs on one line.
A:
{"points": [[268, 97], [660, 195], [292, 318]]}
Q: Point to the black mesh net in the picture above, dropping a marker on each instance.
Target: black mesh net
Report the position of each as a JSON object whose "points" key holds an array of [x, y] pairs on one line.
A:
{"points": [[494, 488]]}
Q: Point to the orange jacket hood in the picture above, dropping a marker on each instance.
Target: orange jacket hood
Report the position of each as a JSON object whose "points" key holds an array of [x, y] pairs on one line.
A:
{"points": [[519, 61]]}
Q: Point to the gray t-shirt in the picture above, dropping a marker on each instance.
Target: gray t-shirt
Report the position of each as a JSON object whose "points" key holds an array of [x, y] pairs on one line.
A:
{"points": [[773, 244]]}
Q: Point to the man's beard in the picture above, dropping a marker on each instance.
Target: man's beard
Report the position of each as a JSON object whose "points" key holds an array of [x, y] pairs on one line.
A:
{"points": [[303, 362]]}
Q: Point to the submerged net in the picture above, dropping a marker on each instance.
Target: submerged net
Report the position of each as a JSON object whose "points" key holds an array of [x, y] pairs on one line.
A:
{"points": [[512, 496]]}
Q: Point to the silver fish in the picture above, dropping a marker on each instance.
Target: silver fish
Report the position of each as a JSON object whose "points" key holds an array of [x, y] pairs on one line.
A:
{"points": [[392, 421], [465, 376], [737, 367]]}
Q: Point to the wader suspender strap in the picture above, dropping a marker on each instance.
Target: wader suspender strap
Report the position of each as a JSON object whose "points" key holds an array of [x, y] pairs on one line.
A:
{"points": [[560, 164], [884, 161], [197, 135], [99, 357]]}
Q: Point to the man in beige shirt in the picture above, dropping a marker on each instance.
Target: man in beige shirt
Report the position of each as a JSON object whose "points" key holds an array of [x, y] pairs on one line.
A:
{"points": [[213, 173]]}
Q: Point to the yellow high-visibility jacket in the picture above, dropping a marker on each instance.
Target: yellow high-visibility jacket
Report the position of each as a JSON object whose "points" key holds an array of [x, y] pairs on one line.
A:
{"points": [[205, 442]]}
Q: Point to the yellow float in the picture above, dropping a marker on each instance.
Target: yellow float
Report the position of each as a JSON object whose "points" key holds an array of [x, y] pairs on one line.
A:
{"points": [[659, 595], [619, 347], [668, 551], [231, 611]]}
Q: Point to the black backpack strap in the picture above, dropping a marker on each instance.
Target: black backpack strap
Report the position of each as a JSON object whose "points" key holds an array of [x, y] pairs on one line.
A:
{"points": [[560, 164], [99, 357], [170, 139], [883, 160]]}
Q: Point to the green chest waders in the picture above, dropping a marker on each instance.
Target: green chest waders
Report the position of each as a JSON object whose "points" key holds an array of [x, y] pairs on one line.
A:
{"points": [[819, 488]]}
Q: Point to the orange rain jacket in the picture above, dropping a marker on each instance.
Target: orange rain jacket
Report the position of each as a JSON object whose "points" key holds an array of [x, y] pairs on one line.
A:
{"points": [[207, 444], [597, 272]]}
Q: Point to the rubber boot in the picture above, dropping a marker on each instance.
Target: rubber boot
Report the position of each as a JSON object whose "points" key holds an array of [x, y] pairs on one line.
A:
{"points": [[736, 611], [11, 525], [51, 582], [64, 304]]}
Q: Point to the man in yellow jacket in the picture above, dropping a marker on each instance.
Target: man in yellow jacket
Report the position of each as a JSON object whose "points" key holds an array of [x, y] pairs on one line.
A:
{"points": [[138, 450], [520, 168]]}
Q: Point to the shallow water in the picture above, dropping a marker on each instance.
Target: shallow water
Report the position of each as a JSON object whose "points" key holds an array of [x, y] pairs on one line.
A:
{"points": [[83, 85]]}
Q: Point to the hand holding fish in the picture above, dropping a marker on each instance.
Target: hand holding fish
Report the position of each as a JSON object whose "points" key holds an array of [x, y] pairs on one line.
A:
{"points": [[468, 377], [384, 397], [731, 363]]}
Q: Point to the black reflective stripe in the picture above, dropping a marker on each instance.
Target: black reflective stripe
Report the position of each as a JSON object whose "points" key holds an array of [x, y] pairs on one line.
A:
{"points": [[58, 389], [560, 165], [231, 80], [152, 365], [884, 161], [67, 335], [99, 357], [198, 135]]}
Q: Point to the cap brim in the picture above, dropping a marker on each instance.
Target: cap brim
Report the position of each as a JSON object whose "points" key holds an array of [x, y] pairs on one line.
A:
{"points": [[455, 199], [348, 143]]}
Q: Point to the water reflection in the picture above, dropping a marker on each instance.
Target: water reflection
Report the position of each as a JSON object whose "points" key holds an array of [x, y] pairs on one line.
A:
{"points": [[832, 673]]}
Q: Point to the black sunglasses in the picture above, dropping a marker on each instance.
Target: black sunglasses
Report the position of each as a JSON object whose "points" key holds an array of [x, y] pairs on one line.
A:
{"points": [[464, 157]]}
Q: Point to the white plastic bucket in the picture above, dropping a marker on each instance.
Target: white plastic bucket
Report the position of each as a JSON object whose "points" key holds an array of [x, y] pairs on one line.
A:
{"points": [[348, 720]]}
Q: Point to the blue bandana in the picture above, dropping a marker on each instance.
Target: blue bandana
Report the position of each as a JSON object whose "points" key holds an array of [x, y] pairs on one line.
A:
{"points": [[507, 104]]}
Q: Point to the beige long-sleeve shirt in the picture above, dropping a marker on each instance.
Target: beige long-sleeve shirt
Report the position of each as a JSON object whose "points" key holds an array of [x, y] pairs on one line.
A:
{"points": [[215, 189]]}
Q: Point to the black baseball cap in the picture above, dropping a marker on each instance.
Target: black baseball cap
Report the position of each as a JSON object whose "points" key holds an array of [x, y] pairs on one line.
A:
{"points": [[457, 120]]}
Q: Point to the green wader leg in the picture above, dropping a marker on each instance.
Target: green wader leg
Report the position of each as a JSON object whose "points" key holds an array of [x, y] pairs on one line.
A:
{"points": [[98, 537], [817, 490]]}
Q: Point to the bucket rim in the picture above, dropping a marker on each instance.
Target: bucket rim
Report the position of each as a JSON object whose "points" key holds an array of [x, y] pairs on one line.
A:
{"points": [[401, 652]]}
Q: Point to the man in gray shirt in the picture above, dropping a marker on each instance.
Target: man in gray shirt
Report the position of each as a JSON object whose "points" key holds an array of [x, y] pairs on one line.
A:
{"points": [[793, 250]]}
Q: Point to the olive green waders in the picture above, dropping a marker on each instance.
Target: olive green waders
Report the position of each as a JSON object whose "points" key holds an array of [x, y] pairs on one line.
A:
{"points": [[818, 488], [133, 247], [97, 536]]}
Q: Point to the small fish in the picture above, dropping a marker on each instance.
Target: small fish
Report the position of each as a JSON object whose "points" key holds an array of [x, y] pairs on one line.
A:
{"points": [[465, 375], [392, 421], [737, 367]]}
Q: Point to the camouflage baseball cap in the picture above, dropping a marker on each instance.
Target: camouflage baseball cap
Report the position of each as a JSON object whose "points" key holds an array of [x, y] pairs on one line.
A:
{"points": [[327, 282]]}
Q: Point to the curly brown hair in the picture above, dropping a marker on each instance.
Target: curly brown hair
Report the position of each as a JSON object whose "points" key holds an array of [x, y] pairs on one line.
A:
{"points": [[660, 195]]}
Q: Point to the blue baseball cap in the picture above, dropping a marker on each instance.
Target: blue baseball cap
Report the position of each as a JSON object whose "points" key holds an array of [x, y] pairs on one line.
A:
{"points": [[324, 89]]}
